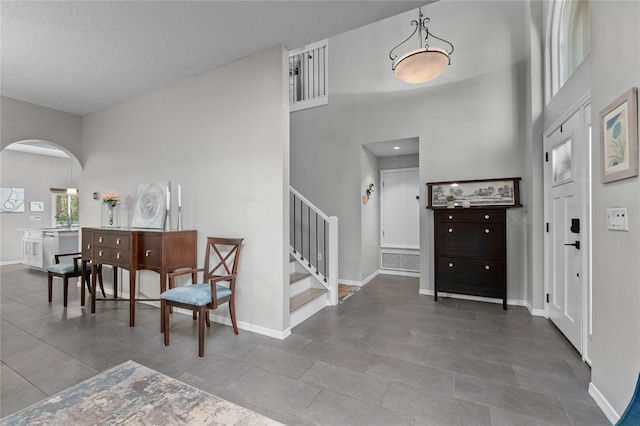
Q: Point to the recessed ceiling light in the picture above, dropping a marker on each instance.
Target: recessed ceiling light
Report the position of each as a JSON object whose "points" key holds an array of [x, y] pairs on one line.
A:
{"points": [[454, 184], [396, 147]]}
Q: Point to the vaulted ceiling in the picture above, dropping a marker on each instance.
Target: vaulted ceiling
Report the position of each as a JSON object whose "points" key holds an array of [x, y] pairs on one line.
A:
{"points": [[83, 56]]}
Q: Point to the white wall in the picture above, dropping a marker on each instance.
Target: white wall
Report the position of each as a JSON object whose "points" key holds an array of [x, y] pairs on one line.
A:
{"points": [[37, 174], [224, 137], [21, 121], [615, 43], [370, 168], [370, 215], [532, 193], [399, 162], [468, 129]]}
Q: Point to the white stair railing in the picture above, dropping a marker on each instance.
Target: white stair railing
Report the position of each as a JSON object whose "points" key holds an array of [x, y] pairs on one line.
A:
{"points": [[314, 241], [308, 76]]}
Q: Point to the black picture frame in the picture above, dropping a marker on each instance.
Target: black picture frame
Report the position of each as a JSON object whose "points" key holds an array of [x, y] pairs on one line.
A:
{"points": [[500, 192]]}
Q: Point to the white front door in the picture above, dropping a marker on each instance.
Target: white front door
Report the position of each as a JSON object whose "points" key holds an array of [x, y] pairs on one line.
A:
{"points": [[567, 246]]}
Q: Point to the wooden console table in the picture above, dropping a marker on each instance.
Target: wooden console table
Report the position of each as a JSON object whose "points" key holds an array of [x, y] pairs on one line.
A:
{"points": [[137, 249]]}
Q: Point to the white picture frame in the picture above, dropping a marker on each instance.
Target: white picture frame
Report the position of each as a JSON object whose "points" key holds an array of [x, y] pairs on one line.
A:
{"points": [[151, 205], [11, 200], [36, 206]]}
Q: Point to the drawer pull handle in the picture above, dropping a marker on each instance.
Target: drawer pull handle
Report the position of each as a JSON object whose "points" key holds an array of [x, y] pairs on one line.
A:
{"points": [[450, 229], [486, 231], [147, 253], [101, 239], [450, 265], [118, 255], [117, 240], [100, 253], [486, 216], [88, 246], [450, 217], [486, 267]]}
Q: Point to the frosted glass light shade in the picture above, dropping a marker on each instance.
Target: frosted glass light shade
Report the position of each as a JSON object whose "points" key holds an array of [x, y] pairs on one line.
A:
{"points": [[421, 65]]}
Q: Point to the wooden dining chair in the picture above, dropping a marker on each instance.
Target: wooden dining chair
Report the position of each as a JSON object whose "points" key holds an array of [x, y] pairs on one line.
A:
{"points": [[72, 269], [220, 265]]}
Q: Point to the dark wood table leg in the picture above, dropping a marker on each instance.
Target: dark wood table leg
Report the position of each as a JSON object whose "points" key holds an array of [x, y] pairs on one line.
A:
{"points": [[94, 272], [83, 279], [132, 297], [163, 288], [115, 282]]}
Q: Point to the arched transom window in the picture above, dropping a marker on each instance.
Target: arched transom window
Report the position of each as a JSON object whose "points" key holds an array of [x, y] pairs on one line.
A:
{"points": [[569, 37]]}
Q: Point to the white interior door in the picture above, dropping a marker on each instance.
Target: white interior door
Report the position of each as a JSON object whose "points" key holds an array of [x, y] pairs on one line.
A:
{"points": [[400, 220], [566, 178]]}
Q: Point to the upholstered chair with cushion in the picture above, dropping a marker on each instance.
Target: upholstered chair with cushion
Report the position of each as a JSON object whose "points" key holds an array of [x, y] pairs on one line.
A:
{"points": [[71, 268], [218, 286]]}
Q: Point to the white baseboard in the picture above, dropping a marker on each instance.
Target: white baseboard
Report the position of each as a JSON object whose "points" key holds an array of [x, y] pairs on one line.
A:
{"points": [[536, 312], [281, 335], [350, 282], [220, 319], [400, 273], [375, 274], [512, 302], [370, 277], [360, 283], [604, 405], [10, 262]]}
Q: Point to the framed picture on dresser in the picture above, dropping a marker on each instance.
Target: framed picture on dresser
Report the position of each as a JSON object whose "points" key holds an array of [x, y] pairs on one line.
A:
{"points": [[475, 193]]}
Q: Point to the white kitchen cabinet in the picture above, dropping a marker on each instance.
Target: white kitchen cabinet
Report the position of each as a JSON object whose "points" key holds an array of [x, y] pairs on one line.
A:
{"points": [[39, 246], [32, 248]]}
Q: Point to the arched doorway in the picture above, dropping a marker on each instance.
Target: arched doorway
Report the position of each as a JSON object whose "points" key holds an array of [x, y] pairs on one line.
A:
{"points": [[31, 173]]}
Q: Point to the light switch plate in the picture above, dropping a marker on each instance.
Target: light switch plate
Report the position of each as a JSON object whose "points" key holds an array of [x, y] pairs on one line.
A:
{"points": [[617, 219], [35, 218]]}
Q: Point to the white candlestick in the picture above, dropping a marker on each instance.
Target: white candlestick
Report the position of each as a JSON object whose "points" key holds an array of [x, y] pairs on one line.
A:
{"points": [[168, 198], [179, 196]]}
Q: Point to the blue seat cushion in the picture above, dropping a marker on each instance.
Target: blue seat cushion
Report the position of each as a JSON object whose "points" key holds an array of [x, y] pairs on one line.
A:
{"points": [[196, 294], [65, 268]]}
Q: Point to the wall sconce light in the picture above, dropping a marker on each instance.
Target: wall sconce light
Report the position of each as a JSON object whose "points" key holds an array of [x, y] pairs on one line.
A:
{"points": [[367, 194]]}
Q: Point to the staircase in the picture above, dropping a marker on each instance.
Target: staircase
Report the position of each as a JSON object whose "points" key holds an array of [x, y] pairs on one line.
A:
{"points": [[307, 294], [313, 266]]}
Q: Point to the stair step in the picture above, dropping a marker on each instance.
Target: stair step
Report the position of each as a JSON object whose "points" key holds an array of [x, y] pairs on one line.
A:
{"points": [[305, 297], [297, 276]]}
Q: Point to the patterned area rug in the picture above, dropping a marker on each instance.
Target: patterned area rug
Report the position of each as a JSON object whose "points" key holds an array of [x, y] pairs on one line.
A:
{"points": [[134, 394]]}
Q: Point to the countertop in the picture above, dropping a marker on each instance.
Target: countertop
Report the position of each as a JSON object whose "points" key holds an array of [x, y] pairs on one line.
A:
{"points": [[59, 230]]}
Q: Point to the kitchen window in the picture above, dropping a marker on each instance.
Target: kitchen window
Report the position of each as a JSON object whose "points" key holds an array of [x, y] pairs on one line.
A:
{"points": [[66, 212]]}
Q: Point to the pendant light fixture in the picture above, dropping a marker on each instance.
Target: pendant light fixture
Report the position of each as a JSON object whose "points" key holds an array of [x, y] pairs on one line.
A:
{"points": [[424, 63]]}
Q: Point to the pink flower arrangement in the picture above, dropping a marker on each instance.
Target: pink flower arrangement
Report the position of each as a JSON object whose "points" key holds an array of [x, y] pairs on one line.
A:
{"points": [[110, 198]]}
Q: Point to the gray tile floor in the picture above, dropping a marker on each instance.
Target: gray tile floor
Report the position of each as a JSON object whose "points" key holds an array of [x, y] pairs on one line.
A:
{"points": [[387, 356]]}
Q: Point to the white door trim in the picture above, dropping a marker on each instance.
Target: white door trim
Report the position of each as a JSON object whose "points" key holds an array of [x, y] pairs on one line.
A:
{"points": [[382, 201], [583, 107]]}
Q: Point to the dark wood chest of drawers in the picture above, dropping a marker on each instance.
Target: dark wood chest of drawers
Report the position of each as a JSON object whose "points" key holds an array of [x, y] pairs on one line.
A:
{"points": [[470, 252]]}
